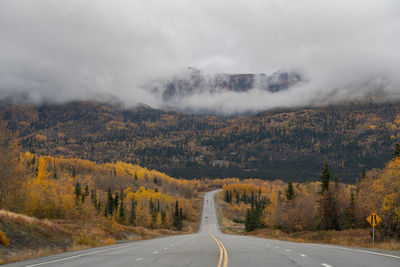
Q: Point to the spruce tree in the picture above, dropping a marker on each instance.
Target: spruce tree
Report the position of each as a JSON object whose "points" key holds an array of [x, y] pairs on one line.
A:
{"points": [[290, 191], [180, 215], [121, 213], [363, 174], [247, 223], [77, 190], [98, 206], [116, 201], [396, 151], [106, 210], [163, 218], [85, 194], [325, 177], [110, 202], [350, 212], [86, 190], [327, 202], [177, 217], [253, 216], [227, 196]]}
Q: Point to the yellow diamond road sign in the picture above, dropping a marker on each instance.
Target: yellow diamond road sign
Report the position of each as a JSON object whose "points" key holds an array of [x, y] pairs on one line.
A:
{"points": [[374, 219]]}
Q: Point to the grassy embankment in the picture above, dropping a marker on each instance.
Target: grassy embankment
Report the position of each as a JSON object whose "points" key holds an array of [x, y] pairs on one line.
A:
{"points": [[350, 237], [23, 237]]}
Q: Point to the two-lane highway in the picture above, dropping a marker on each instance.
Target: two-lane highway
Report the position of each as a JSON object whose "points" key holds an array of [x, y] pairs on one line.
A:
{"points": [[210, 247]]}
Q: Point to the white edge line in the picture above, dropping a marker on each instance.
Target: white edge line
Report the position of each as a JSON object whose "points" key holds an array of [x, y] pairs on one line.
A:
{"points": [[303, 255], [139, 259], [80, 255], [326, 265], [359, 250]]}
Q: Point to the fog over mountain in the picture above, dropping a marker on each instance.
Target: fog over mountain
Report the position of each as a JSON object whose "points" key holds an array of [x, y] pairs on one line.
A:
{"points": [[57, 50]]}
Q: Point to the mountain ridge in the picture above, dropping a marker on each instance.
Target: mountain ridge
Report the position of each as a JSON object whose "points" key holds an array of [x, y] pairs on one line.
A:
{"points": [[288, 144]]}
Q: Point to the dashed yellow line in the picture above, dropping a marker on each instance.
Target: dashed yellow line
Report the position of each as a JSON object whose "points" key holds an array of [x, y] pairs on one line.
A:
{"points": [[223, 255]]}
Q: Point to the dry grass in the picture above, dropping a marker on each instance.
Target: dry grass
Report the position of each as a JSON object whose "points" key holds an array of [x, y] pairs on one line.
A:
{"points": [[29, 254], [351, 237], [28, 221]]}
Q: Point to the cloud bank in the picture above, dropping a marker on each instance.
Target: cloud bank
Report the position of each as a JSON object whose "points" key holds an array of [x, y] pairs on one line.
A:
{"points": [[60, 50]]}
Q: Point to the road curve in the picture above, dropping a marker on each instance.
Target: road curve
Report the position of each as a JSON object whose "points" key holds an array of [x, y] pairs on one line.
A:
{"points": [[210, 247]]}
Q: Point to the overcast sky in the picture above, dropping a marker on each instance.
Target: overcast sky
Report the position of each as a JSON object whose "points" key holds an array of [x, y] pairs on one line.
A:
{"points": [[74, 49]]}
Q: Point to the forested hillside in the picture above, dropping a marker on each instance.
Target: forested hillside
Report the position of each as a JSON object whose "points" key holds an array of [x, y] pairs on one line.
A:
{"points": [[53, 204], [280, 144]]}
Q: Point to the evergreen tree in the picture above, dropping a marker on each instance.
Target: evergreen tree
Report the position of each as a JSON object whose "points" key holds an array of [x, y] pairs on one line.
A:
{"points": [[121, 213], [290, 191], [325, 177], [396, 151], [106, 210], [98, 206], [248, 222], [110, 202], [363, 174], [85, 194], [350, 215], [253, 216], [86, 190], [163, 218], [244, 198], [181, 215], [177, 222], [227, 196], [77, 190], [329, 212], [132, 215], [93, 197], [116, 201]]}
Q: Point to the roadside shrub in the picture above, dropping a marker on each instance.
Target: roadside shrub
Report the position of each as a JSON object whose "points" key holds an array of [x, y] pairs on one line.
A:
{"points": [[4, 239]]}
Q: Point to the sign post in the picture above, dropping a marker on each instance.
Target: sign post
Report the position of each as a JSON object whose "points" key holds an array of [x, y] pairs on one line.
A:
{"points": [[373, 220]]}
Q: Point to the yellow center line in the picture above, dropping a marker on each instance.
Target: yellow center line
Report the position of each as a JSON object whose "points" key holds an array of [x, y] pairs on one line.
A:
{"points": [[223, 255]]}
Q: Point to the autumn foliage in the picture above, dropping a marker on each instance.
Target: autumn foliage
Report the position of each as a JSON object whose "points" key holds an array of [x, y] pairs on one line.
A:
{"points": [[326, 205], [74, 189]]}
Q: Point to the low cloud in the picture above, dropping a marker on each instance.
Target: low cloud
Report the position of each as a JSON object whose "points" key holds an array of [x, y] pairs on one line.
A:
{"points": [[53, 50]]}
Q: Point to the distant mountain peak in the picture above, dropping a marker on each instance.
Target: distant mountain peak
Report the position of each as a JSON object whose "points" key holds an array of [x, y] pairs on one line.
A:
{"points": [[193, 81]]}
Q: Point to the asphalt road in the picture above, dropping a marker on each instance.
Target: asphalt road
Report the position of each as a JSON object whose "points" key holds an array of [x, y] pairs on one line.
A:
{"points": [[210, 247]]}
